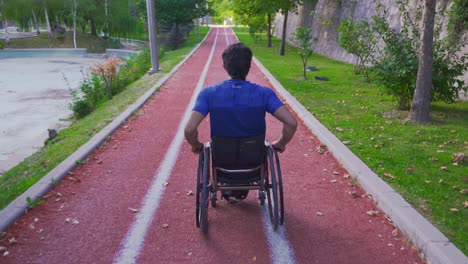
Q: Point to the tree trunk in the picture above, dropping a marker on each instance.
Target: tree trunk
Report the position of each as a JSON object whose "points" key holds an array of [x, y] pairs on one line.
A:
{"points": [[49, 30], [36, 23], [283, 34], [420, 107], [106, 32], [75, 6], [7, 36], [92, 21], [269, 31]]}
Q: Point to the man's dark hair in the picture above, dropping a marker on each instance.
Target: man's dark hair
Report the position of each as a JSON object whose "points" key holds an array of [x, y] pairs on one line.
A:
{"points": [[236, 60]]}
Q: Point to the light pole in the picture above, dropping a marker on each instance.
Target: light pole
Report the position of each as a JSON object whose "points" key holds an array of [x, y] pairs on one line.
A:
{"points": [[152, 37]]}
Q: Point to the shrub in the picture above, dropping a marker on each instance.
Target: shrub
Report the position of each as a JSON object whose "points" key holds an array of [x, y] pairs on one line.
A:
{"points": [[107, 70], [2, 44], [359, 39], [94, 88], [302, 38], [397, 67]]}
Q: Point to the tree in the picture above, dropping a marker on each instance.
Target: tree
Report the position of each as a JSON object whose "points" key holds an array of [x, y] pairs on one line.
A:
{"points": [[73, 10], [302, 38], [286, 6], [358, 38], [397, 66], [422, 95], [176, 13], [253, 12]]}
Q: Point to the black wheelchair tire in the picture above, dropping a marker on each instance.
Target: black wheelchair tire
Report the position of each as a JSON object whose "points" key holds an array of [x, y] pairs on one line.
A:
{"points": [[273, 207], [280, 188], [199, 188], [205, 192]]}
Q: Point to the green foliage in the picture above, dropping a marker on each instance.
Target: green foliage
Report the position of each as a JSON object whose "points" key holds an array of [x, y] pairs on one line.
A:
{"points": [[302, 37], [458, 22], [397, 66], [257, 25], [92, 92], [32, 204], [93, 89], [132, 69], [2, 44], [358, 38]]}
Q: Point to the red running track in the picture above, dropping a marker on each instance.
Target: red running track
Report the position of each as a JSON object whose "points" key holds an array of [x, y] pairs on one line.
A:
{"points": [[89, 218]]}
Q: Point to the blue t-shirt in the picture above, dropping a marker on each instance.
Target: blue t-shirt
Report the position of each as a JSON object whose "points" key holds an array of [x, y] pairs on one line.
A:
{"points": [[237, 108]]}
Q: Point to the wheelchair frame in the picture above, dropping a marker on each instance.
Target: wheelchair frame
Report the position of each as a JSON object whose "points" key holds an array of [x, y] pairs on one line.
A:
{"points": [[270, 186]]}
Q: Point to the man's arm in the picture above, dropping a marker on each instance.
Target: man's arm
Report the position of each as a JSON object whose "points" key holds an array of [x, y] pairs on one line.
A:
{"points": [[191, 131], [289, 127]]}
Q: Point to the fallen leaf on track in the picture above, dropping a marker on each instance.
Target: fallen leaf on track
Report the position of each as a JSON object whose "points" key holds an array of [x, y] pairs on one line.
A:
{"points": [[133, 210], [389, 175], [165, 184], [319, 213], [454, 210], [3, 249], [6, 253], [165, 226], [372, 213], [189, 193], [12, 241]]}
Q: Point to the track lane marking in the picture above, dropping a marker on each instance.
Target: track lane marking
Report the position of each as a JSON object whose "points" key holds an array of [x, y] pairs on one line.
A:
{"points": [[280, 248], [132, 244]]}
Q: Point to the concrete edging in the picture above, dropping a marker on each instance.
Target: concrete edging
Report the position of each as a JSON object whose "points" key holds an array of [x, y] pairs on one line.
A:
{"points": [[19, 206], [435, 246]]}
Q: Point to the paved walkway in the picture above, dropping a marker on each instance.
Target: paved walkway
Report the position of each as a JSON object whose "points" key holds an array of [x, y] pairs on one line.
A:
{"points": [[130, 201]]}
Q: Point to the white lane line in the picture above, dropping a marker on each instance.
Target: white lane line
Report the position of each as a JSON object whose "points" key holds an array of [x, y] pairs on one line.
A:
{"points": [[226, 35], [132, 244], [281, 250]]}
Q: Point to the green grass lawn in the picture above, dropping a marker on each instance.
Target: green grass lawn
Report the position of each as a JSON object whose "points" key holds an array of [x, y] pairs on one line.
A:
{"points": [[416, 160], [17, 180], [84, 40]]}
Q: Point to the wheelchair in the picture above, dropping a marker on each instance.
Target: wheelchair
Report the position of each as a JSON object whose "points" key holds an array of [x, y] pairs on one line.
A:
{"points": [[239, 164]]}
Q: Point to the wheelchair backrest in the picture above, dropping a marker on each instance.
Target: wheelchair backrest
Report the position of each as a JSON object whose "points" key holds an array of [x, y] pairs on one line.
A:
{"points": [[238, 153]]}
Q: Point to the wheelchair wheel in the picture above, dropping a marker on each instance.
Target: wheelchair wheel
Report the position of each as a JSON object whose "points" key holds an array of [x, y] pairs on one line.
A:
{"points": [[205, 192], [272, 193], [280, 187], [199, 188]]}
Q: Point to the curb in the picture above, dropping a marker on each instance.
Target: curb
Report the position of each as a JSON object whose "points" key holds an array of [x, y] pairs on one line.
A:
{"points": [[19, 206], [435, 246]]}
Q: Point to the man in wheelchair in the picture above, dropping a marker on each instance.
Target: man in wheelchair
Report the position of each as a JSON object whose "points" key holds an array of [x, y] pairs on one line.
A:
{"points": [[238, 107]]}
